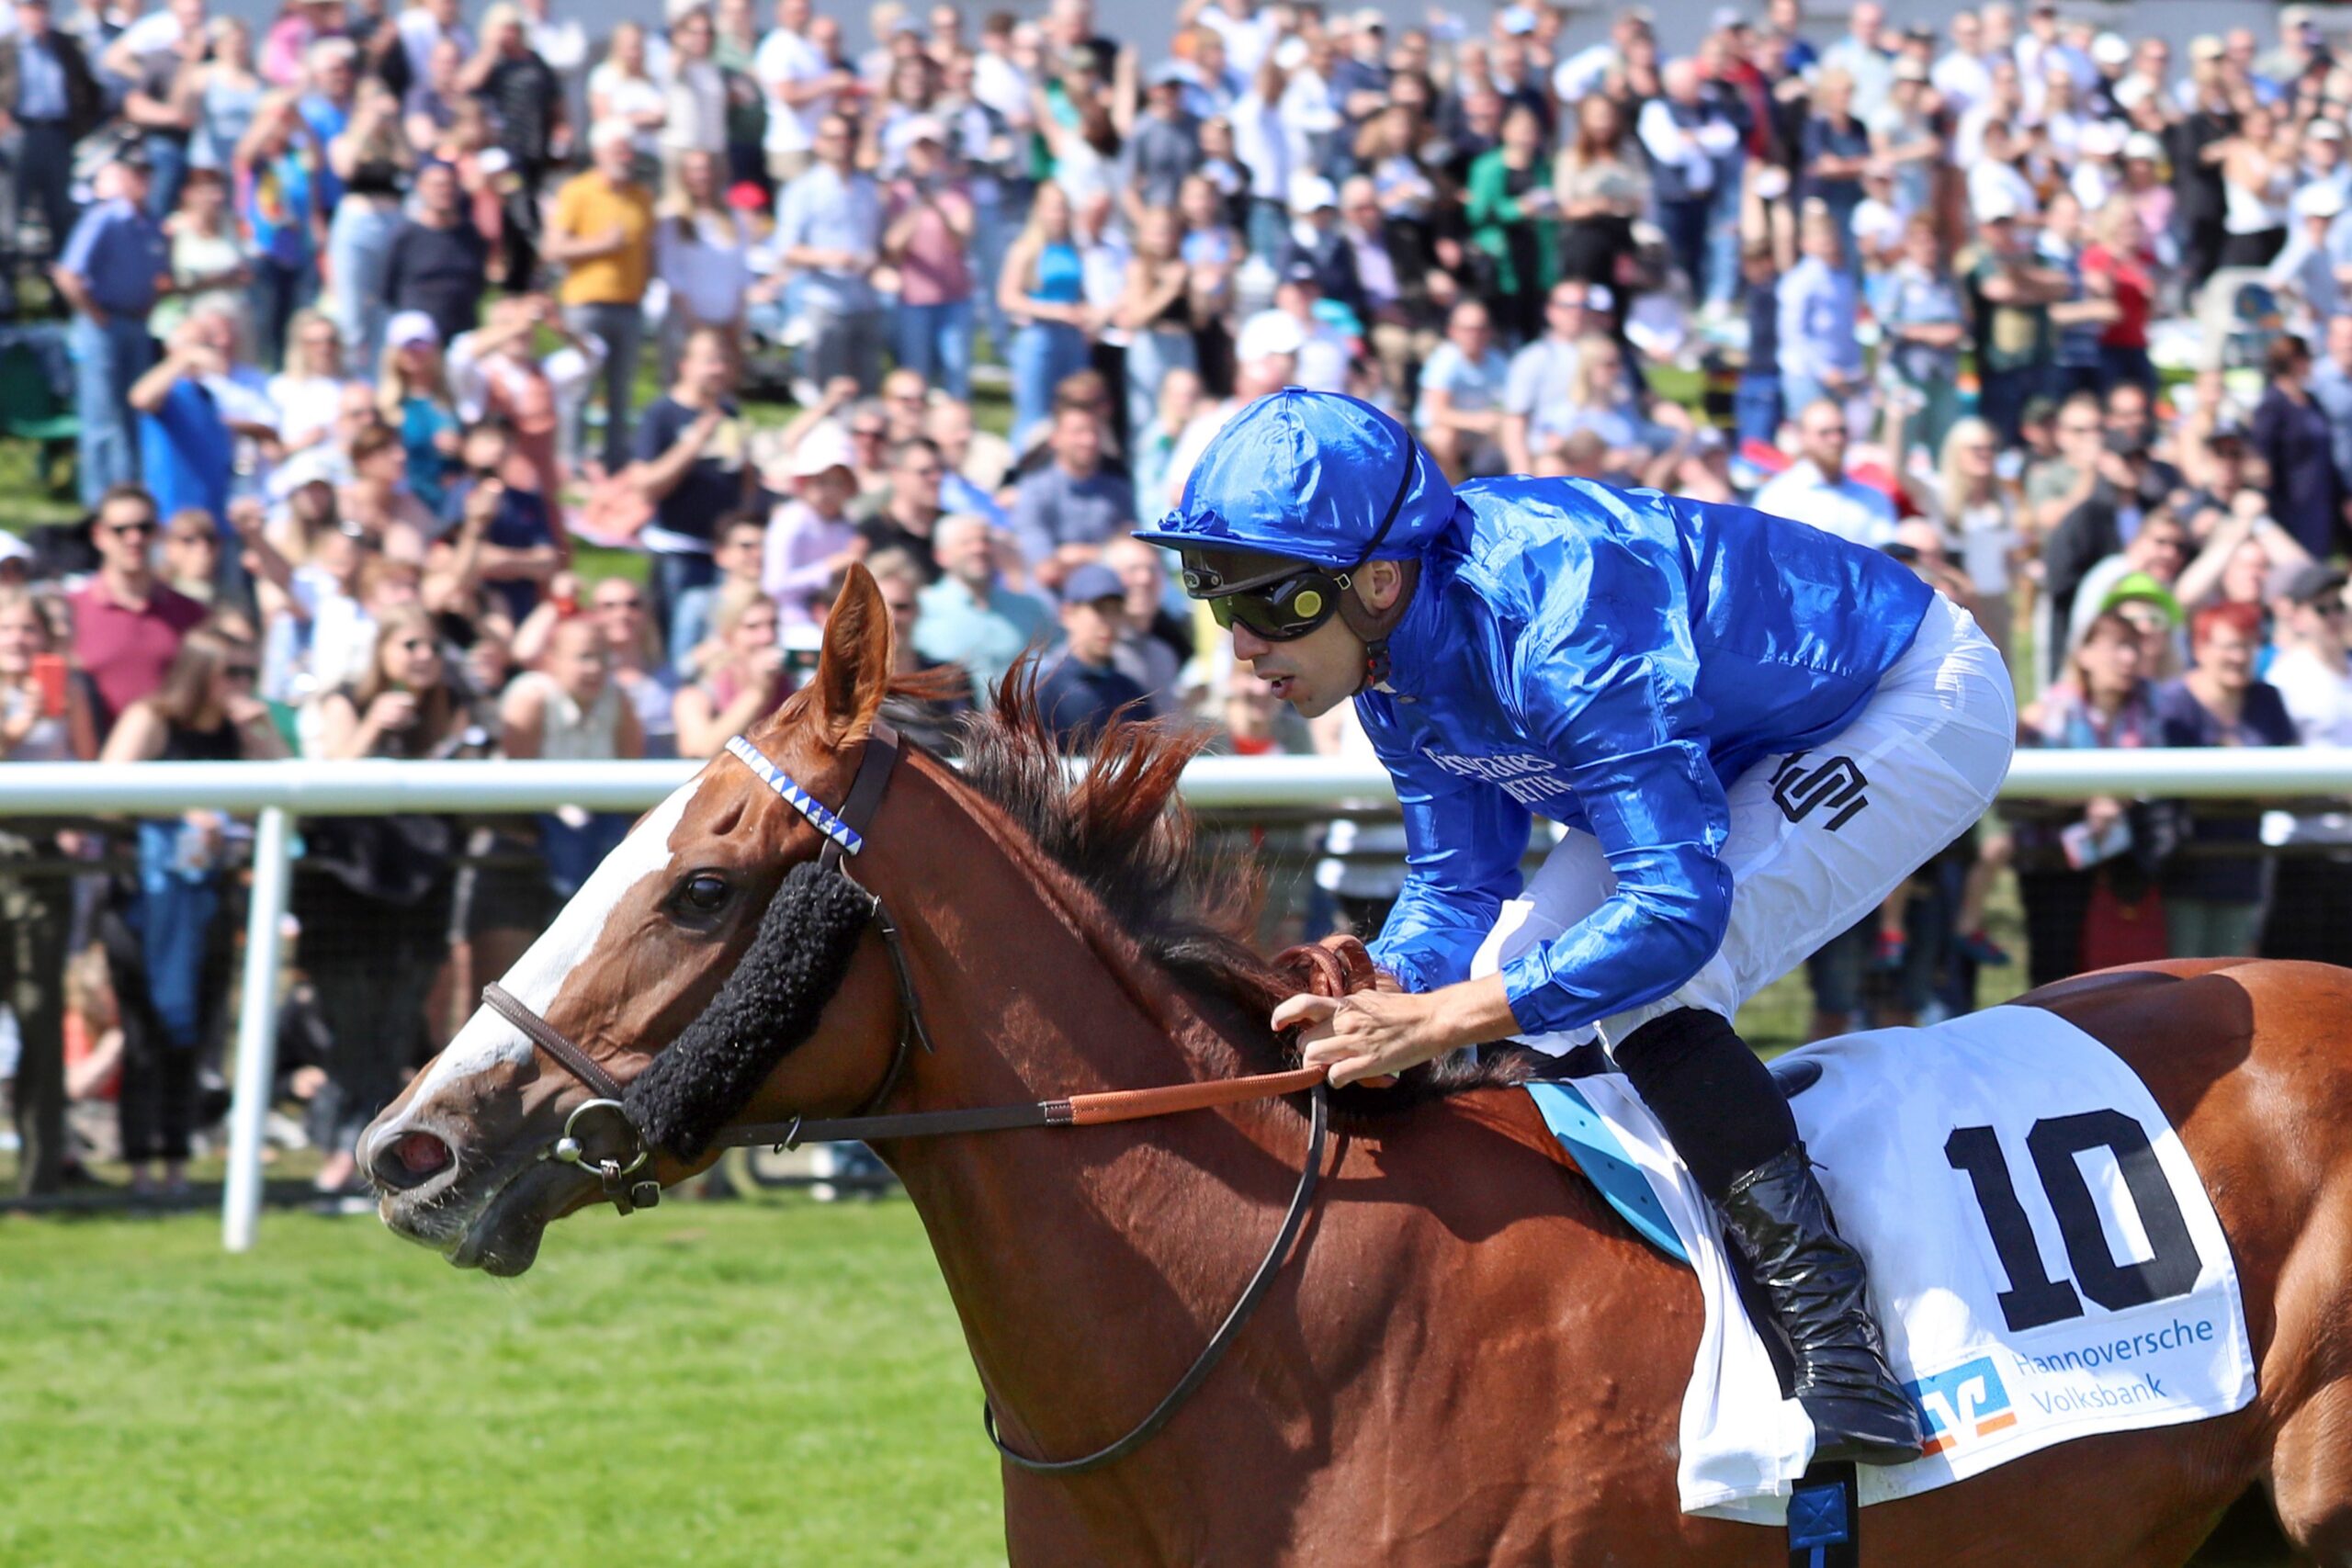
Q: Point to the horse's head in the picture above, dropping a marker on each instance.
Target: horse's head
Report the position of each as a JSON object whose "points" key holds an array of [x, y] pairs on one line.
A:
{"points": [[465, 1157]]}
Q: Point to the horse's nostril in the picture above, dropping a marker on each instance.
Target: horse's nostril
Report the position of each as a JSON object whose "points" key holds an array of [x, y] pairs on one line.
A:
{"points": [[411, 1160]]}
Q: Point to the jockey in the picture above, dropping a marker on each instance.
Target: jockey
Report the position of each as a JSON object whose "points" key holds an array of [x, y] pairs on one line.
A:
{"points": [[1753, 731]]}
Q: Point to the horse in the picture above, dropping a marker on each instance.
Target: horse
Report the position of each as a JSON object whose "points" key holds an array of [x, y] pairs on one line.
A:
{"points": [[1464, 1356]]}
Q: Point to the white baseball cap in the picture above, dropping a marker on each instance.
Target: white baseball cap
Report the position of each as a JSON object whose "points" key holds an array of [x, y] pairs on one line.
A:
{"points": [[410, 327]]}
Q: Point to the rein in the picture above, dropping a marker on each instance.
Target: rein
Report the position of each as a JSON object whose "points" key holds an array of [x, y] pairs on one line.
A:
{"points": [[844, 836]]}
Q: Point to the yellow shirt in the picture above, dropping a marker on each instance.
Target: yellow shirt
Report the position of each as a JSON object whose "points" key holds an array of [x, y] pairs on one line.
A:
{"points": [[586, 206]]}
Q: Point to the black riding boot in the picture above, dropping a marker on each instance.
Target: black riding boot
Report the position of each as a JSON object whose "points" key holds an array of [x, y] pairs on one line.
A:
{"points": [[1730, 1123], [1780, 1226]]}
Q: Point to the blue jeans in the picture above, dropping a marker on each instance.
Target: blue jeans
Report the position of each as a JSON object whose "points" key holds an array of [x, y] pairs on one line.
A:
{"points": [[667, 580], [106, 360], [621, 329], [174, 918], [2002, 395], [1150, 356], [359, 247], [2126, 367], [574, 854], [1043, 353], [167, 156], [935, 342], [1723, 232], [279, 289], [1756, 408]]}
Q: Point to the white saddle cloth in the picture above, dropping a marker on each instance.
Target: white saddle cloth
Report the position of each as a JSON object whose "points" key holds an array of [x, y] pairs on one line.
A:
{"points": [[2045, 1262]]}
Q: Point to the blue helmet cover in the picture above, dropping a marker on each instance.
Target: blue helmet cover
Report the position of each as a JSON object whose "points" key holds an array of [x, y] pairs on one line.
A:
{"points": [[1309, 476]]}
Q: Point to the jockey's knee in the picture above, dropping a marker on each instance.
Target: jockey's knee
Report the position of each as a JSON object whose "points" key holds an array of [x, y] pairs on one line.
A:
{"points": [[1721, 1110]]}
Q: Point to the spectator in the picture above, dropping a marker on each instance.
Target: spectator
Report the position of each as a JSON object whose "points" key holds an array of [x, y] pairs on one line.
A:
{"points": [[282, 204], [1460, 412], [1064, 512], [1684, 134], [693, 92], [1510, 208], [969, 617], [373, 897], [168, 950], [1975, 509], [412, 398], [810, 539], [2293, 438], [2311, 908], [1155, 311], [1085, 689], [743, 681], [2213, 901], [495, 372], [1819, 356], [1042, 293], [371, 161], [933, 221], [738, 554], [44, 718], [1153, 644], [506, 538], [436, 264], [187, 443], [623, 93], [829, 224], [2101, 700], [127, 625], [1817, 490], [908, 511], [1922, 314], [1638, 450], [571, 709], [602, 234], [514, 74], [2089, 554], [2012, 293], [691, 469], [209, 271], [48, 101], [113, 268], [703, 255]]}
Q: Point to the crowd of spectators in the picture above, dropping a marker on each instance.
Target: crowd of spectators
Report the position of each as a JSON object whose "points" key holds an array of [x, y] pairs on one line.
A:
{"points": [[458, 384]]}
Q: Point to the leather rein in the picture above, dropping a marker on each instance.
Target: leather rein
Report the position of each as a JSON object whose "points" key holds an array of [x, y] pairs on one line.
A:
{"points": [[844, 837]]}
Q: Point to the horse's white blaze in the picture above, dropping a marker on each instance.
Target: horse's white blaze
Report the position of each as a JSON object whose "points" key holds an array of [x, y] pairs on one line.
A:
{"points": [[488, 1040]]}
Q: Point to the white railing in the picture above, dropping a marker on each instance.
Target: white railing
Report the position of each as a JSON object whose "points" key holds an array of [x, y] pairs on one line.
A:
{"points": [[281, 792]]}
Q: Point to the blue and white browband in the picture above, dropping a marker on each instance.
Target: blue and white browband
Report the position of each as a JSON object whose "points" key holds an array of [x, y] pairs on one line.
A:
{"points": [[799, 799]]}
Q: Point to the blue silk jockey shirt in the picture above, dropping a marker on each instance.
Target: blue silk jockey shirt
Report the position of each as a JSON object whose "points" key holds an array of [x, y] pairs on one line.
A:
{"points": [[1611, 660]]}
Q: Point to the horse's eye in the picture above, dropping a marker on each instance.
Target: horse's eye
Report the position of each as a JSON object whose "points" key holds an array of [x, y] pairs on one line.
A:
{"points": [[704, 892]]}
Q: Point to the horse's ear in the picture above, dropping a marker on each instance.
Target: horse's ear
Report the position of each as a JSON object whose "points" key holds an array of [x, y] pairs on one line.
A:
{"points": [[853, 666]]}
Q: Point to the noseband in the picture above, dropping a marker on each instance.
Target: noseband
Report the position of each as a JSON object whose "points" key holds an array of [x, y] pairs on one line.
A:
{"points": [[844, 836]]}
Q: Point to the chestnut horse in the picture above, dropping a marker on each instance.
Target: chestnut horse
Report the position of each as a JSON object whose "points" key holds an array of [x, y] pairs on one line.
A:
{"points": [[1469, 1358]]}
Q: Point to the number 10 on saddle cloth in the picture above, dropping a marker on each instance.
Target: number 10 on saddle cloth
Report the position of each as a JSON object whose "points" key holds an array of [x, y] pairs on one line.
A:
{"points": [[2042, 1254]]}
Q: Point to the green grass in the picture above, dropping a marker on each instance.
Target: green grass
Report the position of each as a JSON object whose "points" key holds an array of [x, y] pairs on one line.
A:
{"points": [[704, 1384]]}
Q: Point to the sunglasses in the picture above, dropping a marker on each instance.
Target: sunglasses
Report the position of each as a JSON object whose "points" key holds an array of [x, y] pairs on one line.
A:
{"points": [[243, 672], [130, 530]]}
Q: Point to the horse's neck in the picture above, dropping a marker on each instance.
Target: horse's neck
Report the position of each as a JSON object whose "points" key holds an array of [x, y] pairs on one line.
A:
{"points": [[1071, 1252]]}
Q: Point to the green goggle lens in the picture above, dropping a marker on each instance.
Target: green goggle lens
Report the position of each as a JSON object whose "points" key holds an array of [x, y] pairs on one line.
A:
{"points": [[1280, 612]]}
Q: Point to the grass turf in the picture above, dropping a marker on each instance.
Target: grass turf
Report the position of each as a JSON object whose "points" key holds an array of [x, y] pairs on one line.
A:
{"points": [[706, 1384]]}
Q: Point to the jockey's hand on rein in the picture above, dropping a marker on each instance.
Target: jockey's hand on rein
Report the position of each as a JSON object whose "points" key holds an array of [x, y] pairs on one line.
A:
{"points": [[1375, 1033]]}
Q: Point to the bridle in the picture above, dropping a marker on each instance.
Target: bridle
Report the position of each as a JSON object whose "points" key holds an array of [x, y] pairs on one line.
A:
{"points": [[844, 836]]}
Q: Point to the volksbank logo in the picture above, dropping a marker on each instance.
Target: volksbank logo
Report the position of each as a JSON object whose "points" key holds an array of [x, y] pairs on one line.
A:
{"points": [[1963, 1404]]}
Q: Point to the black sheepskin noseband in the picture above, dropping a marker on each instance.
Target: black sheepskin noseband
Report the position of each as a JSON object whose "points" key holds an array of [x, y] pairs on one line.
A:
{"points": [[765, 1010]]}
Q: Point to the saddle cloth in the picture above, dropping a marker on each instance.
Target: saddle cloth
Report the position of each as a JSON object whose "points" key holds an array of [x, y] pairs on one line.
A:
{"points": [[2042, 1256]]}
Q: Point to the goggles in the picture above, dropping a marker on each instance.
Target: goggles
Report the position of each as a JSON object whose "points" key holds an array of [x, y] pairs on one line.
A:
{"points": [[1281, 607], [1288, 602]]}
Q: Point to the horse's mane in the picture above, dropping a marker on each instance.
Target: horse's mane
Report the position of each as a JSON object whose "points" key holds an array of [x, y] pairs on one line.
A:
{"points": [[1120, 831]]}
